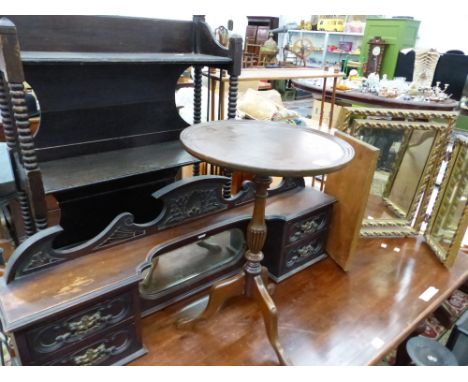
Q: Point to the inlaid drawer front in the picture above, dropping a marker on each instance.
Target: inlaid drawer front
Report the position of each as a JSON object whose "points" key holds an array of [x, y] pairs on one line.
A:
{"points": [[105, 351], [74, 328], [305, 252], [309, 226]]}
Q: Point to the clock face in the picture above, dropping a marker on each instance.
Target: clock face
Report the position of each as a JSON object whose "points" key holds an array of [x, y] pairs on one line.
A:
{"points": [[376, 51]]}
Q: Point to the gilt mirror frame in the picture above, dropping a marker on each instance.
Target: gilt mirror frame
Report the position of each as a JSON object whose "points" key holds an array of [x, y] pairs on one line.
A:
{"points": [[455, 178], [407, 223]]}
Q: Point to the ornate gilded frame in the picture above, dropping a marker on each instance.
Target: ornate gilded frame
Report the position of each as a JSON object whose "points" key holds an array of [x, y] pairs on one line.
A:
{"points": [[455, 176], [353, 119]]}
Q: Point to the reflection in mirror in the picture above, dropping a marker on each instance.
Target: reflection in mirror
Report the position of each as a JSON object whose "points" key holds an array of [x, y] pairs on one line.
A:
{"points": [[402, 191], [449, 220], [34, 109], [192, 262], [446, 224], [390, 143]]}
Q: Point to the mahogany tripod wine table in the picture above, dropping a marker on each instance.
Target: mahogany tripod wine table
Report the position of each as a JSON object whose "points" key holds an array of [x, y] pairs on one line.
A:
{"points": [[264, 149]]}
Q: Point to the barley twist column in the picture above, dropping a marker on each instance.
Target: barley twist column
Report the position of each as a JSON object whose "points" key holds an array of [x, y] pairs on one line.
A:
{"points": [[10, 137], [232, 109], [197, 100], [26, 142]]}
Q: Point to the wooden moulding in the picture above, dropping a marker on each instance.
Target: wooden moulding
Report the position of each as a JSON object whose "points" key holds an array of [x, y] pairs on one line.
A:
{"points": [[351, 187], [184, 201], [455, 177], [349, 113]]}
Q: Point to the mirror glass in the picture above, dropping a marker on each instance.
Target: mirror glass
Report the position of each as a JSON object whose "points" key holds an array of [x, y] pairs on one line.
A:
{"points": [[390, 143], [452, 205], [408, 174], [193, 261], [402, 160]]}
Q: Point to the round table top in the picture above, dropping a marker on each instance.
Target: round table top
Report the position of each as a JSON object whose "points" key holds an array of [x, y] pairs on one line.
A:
{"points": [[266, 148]]}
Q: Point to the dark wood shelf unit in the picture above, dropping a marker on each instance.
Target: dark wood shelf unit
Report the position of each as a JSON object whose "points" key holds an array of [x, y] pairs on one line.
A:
{"points": [[106, 88]]}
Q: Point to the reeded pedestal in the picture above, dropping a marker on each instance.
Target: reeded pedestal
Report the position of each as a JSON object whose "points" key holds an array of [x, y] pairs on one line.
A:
{"points": [[264, 149]]}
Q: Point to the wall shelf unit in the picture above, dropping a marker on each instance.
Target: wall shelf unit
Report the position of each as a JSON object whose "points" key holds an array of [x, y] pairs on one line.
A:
{"points": [[321, 41]]}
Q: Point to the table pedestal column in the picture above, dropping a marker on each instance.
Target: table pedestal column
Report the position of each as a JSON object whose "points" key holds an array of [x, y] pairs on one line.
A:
{"points": [[251, 282]]}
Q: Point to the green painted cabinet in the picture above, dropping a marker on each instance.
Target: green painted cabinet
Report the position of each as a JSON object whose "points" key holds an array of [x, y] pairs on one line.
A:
{"points": [[397, 33]]}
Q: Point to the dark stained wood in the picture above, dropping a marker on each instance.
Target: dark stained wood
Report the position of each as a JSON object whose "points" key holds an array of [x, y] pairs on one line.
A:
{"points": [[81, 279], [266, 148], [116, 57], [103, 107], [103, 34], [18, 131], [100, 167], [104, 84], [366, 98], [326, 316]]}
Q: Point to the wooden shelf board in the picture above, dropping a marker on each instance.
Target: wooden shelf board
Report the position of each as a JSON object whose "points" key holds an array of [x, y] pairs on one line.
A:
{"points": [[117, 57], [74, 172]]}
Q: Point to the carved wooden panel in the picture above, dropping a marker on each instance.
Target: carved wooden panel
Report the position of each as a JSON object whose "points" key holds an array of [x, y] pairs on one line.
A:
{"points": [[183, 201], [77, 327]]}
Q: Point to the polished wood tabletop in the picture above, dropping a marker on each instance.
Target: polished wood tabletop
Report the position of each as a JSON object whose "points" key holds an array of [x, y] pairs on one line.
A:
{"points": [[266, 148], [372, 99], [326, 316]]}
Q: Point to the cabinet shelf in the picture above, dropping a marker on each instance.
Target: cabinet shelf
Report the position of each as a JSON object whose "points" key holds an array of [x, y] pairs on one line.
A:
{"points": [[121, 57], [324, 32], [339, 52]]}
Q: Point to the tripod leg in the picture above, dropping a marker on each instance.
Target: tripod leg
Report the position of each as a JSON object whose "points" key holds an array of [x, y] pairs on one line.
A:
{"points": [[219, 294], [270, 316], [271, 287]]}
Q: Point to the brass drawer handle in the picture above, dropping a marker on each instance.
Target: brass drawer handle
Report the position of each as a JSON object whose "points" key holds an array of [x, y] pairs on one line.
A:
{"points": [[303, 253], [93, 355], [85, 324], [308, 227]]}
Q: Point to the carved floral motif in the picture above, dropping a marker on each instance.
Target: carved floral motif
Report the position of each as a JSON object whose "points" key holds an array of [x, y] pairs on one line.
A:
{"points": [[191, 204], [305, 252], [308, 227], [75, 328]]}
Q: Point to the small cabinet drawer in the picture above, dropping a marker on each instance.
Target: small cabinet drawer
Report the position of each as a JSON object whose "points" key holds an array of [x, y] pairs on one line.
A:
{"points": [[304, 252], [52, 337], [305, 227], [110, 348]]}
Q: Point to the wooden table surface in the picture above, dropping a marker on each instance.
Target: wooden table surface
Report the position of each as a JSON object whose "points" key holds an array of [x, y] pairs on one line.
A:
{"points": [[252, 74], [266, 148], [326, 316], [366, 98]]}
